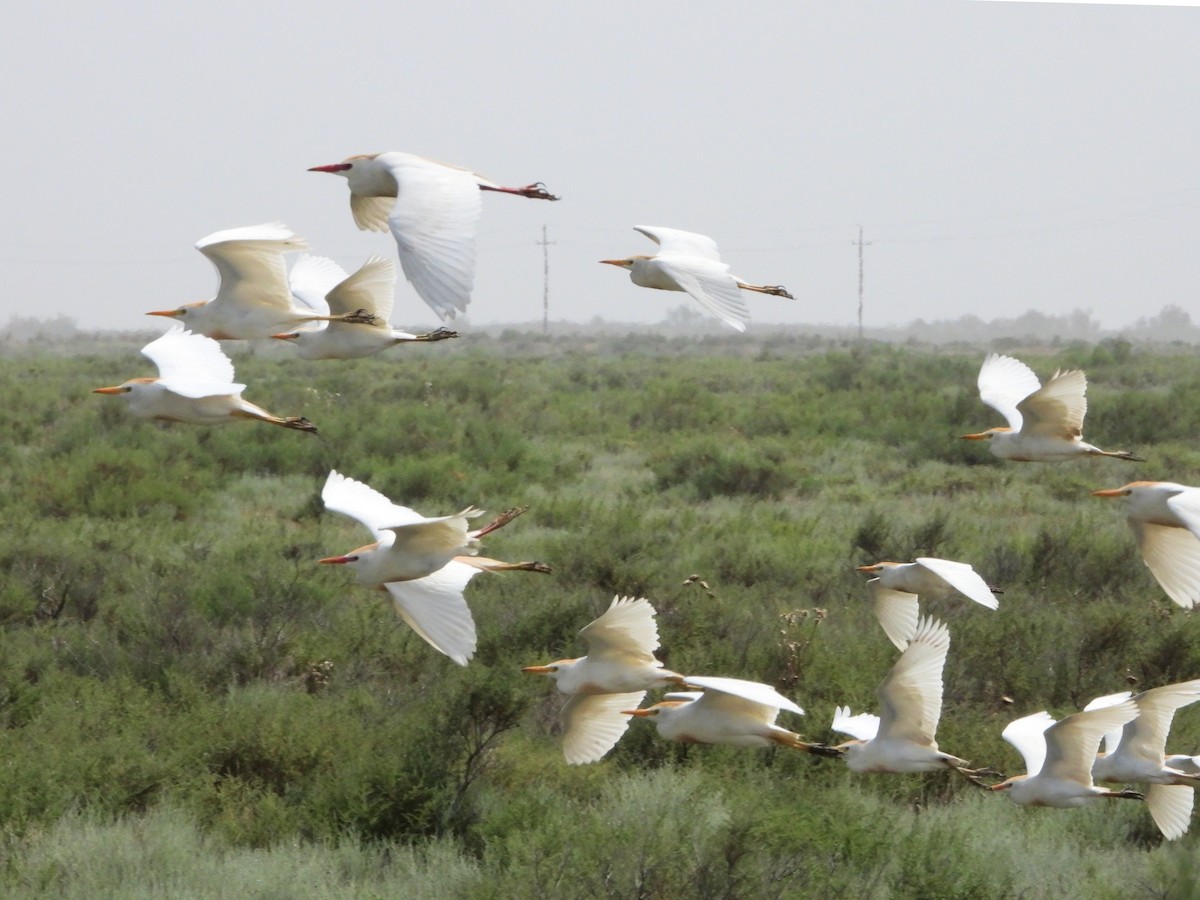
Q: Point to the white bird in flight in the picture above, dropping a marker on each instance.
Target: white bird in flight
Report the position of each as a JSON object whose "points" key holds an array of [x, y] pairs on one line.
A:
{"points": [[1045, 423], [368, 290], [424, 564], [1137, 754], [725, 711], [254, 298], [1059, 757], [194, 385], [432, 210], [616, 673], [690, 262], [407, 545], [896, 587], [1165, 520], [902, 738]]}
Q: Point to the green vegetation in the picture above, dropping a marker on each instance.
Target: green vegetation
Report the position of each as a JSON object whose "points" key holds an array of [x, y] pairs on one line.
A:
{"points": [[191, 707]]}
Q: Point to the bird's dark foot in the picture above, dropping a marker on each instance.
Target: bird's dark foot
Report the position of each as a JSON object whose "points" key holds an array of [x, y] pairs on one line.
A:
{"points": [[981, 772], [360, 317], [438, 334], [537, 191], [777, 290], [1126, 455], [299, 423], [826, 750], [1127, 795], [501, 520], [532, 567]]}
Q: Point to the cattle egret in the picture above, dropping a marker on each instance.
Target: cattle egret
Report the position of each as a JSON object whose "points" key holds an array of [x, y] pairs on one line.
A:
{"points": [[194, 385], [254, 298], [901, 739], [432, 210], [616, 673], [1059, 757], [1137, 754], [421, 563], [407, 545], [1045, 424], [1165, 519], [368, 290], [690, 262], [897, 585], [725, 711]]}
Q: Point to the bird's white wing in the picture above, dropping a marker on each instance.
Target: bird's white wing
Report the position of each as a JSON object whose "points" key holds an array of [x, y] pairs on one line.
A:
{"points": [[1057, 409], [434, 221], [864, 726], [684, 243], [1146, 736], [962, 578], [192, 365], [625, 630], [910, 698], [1170, 807], [1112, 739], [441, 535], [897, 612], [734, 693], [1186, 505], [311, 278], [358, 501], [1028, 735], [1003, 383], [434, 607], [250, 264], [1071, 743], [593, 723], [371, 213], [1173, 557], [370, 288], [710, 285]]}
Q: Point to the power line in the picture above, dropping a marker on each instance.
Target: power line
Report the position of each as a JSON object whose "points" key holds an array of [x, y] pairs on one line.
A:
{"points": [[860, 244]]}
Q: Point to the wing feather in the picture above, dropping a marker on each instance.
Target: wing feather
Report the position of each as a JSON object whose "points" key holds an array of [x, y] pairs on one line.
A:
{"points": [[627, 629], [711, 286], [434, 607], [250, 264], [434, 221], [1173, 557], [864, 726], [365, 504], [910, 697], [963, 578], [897, 612], [1057, 409], [1071, 743], [1003, 383], [684, 243], [192, 365], [593, 723], [371, 288]]}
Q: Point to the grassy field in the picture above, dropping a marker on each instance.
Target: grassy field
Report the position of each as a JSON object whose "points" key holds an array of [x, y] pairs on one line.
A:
{"points": [[191, 707]]}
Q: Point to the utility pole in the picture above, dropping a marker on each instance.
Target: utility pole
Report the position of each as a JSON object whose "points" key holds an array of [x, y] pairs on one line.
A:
{"points": [[860, 244], [545, 280]]}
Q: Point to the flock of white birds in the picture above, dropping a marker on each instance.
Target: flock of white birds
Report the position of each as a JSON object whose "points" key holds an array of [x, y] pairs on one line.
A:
{"points": [[425, 564]]}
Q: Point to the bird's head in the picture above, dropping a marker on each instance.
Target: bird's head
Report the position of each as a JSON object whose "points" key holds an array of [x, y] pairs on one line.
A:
{"points": [[653, 712], [348, 167], [1117, 492], [626, 263], [875, 568], [288, 336], [553, 669], [985, 435], [179, 313], [124, 388], [349, 559]]}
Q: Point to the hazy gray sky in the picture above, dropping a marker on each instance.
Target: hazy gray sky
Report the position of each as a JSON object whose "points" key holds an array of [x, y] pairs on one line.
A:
{"points": [[1001, 156]]}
